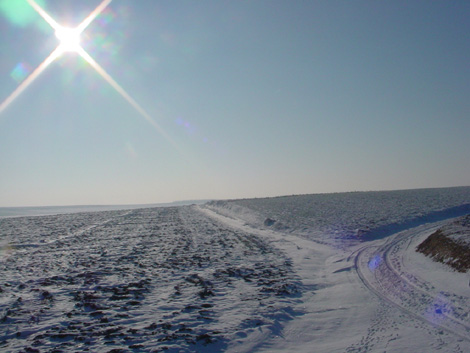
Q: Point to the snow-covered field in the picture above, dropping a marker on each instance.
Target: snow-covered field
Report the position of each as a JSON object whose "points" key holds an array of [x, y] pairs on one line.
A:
{"points": [[311, 273]]}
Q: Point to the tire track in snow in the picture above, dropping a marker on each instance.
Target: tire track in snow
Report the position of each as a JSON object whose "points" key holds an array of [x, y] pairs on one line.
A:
{"points": [[384, 280], [393, 255]]}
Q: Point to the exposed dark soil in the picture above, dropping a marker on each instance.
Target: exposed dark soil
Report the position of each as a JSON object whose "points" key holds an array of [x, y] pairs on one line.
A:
{"points": [[143, 280], [440, 247]]}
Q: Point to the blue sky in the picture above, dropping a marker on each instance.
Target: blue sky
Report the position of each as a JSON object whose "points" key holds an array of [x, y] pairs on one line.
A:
{"points": [[254, 98]]}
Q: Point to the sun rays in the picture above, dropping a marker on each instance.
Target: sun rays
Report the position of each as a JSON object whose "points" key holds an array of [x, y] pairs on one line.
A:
{"points": [[42, 66], [69, 41]]}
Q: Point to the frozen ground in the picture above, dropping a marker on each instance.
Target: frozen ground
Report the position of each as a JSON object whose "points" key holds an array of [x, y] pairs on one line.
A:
{"points": [[138, 280], [450, 244], [313, 273], [342, 219]]}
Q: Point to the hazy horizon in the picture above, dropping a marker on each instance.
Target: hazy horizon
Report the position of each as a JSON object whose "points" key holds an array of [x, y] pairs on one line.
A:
{"points": [[198, 201], [226, 100]]}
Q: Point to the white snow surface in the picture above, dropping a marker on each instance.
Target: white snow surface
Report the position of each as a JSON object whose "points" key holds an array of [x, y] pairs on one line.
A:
{"points": [[348, 217], [458, 231], [310, 273]]}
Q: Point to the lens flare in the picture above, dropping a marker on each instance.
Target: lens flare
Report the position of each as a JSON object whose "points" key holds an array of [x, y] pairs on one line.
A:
{"points": [[374, 263], [43, 14], [18, 12], [439, 309], [124, 94], [52, 56], [69, 39], [20, 72]]}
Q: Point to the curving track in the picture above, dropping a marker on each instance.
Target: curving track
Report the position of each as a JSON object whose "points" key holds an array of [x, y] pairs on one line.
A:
{"points": [[381, 270]]}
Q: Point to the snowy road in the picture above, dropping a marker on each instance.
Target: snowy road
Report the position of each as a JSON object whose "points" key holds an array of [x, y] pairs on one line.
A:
{"points": [[382, 270], [370, 298]]}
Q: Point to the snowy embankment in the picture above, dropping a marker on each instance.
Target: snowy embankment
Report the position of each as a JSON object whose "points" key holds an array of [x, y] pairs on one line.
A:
{"points": [[313, 273], [342, 219]]}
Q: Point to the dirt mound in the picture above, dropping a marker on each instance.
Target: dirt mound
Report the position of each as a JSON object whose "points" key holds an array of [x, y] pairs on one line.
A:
{"points": [[450, 245]]}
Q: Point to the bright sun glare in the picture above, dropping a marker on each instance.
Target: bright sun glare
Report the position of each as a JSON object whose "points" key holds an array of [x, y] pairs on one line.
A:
{"points": [[69, 41], [69, 38]]}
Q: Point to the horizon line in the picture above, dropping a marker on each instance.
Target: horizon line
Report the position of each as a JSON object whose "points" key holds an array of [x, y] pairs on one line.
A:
{"points": [[202, 200]]}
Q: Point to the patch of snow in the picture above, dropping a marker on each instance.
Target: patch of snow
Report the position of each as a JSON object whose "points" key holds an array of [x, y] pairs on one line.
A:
{"points": [[458, 231]]}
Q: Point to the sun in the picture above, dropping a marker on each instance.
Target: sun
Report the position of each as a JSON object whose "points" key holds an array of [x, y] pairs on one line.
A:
{"points": [[69, 38], [69, 41]]}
